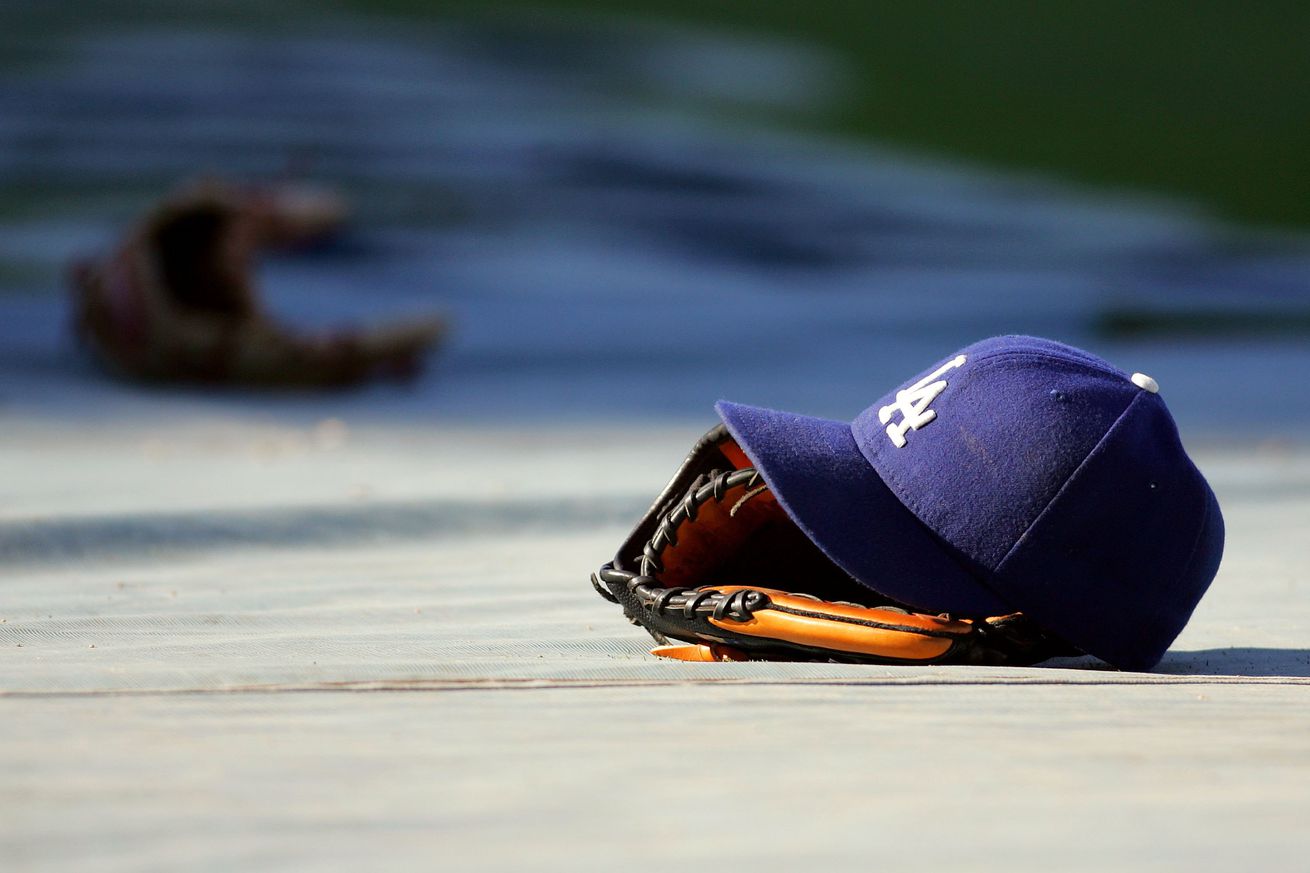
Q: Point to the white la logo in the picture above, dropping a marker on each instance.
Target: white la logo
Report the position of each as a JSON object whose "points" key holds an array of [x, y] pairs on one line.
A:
{"points": [[912, 403]]}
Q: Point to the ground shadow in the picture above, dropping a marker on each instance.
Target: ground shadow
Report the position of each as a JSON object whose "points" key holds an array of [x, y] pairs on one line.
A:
{"points": [[132, 536], [1238, 661]]}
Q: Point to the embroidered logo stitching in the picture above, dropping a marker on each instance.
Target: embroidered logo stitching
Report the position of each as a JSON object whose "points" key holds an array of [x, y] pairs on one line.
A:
{"points": [[913, 402]]}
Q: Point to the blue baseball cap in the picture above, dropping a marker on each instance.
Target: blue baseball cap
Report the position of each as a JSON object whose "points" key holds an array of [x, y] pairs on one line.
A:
{"points": [[1018, 475]]}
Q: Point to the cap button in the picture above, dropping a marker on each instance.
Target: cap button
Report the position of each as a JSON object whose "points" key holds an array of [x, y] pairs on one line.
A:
{"points": [[1146, 383]]}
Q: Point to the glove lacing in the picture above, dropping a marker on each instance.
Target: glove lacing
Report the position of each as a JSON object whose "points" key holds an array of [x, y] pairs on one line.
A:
{"points": [[644, 584]]}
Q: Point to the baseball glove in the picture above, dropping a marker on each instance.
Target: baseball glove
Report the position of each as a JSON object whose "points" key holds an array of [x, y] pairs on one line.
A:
{"points": [[718, 565], [177, 302]]}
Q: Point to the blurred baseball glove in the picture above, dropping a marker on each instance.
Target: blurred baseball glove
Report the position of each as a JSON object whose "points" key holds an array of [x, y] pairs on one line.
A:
{"points": [[177, 300], [717, 564]]}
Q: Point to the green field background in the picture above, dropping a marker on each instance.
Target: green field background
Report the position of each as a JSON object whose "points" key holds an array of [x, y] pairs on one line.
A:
{"points": [[1206, 100]]}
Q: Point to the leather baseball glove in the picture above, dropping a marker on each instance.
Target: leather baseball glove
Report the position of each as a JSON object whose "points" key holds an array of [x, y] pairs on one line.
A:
{"points": [[718, 565], [177, 301]]}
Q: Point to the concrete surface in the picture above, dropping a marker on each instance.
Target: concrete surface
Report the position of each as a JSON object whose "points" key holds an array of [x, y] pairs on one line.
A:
{"points": [[399, 669]]}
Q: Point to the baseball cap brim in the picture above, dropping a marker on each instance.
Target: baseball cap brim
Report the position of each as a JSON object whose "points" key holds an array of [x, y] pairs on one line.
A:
{"points": [[815, 469]]}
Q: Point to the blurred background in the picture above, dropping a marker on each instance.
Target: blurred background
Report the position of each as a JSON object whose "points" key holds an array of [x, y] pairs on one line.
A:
{"points": [[635, 208]]}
